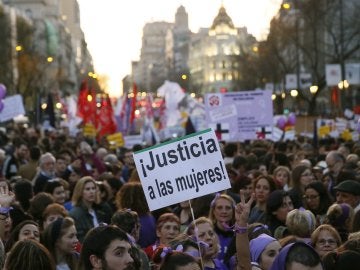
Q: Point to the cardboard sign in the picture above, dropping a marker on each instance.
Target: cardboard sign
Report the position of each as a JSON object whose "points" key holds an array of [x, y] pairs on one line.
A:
{"points": [[115, 140], [89, 130], [181, 169]]}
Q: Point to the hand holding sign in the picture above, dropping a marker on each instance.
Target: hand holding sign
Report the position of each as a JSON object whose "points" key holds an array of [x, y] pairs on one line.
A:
{"points": [[242, 209]]}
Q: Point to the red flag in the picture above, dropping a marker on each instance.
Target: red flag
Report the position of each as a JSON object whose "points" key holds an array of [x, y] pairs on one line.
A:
{"points": [[133, 104], [86, 104], [83, 92], [335, 95], [106, 121]]}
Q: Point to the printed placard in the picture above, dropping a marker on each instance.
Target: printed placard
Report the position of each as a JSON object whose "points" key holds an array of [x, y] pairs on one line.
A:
{"points": [[13, 106], [181, 169], [243, 112]]}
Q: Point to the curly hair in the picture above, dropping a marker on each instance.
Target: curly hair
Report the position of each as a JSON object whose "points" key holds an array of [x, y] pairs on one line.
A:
{"points": [[132, 196]]}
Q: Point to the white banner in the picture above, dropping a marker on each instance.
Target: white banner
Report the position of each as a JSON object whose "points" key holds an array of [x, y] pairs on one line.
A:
{"points": [[13, 106], [237, 116], [181, 169], [352, 73], [333, 74], [291, 81]]}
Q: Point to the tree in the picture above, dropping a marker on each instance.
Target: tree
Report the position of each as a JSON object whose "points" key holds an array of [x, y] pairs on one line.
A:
{"points": [[310, 35]]}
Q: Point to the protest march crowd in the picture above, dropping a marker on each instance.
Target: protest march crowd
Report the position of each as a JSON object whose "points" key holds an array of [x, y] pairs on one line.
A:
{"points": [[73, 203]]}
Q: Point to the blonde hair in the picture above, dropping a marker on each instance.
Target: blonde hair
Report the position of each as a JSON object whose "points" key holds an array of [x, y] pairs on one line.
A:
{"points": [[340, 215], [79, 188], [301, 222], [213, 205], [325, 227]]}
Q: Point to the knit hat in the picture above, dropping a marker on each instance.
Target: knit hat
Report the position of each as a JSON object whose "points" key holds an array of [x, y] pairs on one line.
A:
{"points": [[258, 244]]}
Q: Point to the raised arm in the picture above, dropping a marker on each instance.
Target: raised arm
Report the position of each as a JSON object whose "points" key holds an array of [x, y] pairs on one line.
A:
{"points": [[242, 211], [6, 198]]}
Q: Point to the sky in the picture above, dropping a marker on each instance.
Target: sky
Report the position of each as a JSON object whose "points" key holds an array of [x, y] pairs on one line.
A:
{"points": [[113, 28]]}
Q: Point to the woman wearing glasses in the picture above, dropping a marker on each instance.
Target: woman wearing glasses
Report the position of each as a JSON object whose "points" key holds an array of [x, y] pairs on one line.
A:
{"points": [[317, 199], [325, 239]]}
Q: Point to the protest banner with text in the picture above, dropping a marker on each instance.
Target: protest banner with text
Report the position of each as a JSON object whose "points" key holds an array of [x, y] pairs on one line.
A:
{"points": [[181, 169]]}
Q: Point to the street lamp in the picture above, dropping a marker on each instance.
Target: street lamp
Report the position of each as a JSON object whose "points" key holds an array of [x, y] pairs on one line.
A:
{"points": [[314, 89], [344, 84], [294, 93]]}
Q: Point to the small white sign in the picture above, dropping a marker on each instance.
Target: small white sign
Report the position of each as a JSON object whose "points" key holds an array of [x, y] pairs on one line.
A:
{"points": [[181, 169], [333, 74], [13, 107]]}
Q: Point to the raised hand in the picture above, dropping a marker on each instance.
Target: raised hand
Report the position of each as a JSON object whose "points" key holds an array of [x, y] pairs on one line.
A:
{"points": [[6, 196], [242, 209]]}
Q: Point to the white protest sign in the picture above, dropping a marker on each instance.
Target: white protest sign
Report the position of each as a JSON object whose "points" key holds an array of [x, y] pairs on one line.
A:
{"points": [[238, 116], [13, 106], [181, 169]]}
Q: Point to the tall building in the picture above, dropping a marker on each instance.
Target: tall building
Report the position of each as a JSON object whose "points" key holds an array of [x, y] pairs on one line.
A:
{"points": [[152, 68], [214, 55], [58, 35], [209, 58]]}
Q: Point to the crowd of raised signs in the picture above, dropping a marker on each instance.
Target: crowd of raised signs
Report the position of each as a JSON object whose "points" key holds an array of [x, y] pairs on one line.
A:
{"points": [[72, 203]]}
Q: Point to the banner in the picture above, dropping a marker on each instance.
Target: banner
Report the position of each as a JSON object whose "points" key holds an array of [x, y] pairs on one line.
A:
{"points": [[291, 81], [239, 116], [181, 169], [333, 74], [13, 106]]}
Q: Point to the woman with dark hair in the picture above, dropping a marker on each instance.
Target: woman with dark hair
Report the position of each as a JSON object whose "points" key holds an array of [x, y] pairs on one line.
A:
{"points": [[301, 176], [263, 186], [29, 255], [317, 199], [56, 189], [278, 205], [28, 229], [131, 196], [60, 239], [38, 204]]}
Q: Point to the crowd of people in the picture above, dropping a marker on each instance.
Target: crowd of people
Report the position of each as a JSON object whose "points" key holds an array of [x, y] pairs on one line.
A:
{"points": [[78, 203]]}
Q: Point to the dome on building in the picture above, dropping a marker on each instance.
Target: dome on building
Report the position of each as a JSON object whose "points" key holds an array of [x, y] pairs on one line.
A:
{"points": [[222, 18]]}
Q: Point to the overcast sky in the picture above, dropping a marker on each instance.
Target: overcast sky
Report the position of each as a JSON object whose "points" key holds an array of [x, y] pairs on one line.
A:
{"points": [[113, 28]]}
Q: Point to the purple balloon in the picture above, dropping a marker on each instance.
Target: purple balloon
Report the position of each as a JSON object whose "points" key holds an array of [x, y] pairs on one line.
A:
{"points": [[292, 119], [281, 122], [1, 105], [2, 91]]}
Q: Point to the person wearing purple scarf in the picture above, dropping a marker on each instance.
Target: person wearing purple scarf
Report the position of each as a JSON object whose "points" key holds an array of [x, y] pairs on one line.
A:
{"points": [[263, 250], [222, 210], [297, 256]]}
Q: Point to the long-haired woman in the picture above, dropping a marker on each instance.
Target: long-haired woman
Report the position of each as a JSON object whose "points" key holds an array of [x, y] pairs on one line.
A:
{"points": [[87, 212], [60, 239]]}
